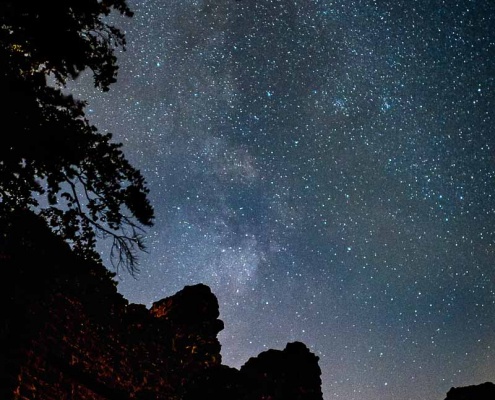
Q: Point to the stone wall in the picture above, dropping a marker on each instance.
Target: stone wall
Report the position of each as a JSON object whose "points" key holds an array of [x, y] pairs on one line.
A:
{"points": [[68, 334], [76, 347]]}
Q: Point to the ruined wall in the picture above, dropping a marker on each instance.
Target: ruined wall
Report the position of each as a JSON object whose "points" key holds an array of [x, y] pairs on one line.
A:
{"points": [[67, 333], [71, 348]]}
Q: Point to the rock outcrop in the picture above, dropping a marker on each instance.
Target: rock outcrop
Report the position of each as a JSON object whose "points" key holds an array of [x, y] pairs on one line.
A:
{"points": [[484, 391], [292, 373], [67, 333]]}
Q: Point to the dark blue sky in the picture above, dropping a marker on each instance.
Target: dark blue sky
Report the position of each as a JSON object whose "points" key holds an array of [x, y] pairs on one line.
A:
{"points": [[328, 168]]}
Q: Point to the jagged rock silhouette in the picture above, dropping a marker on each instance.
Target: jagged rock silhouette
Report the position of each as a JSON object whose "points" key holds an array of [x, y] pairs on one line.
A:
{"points": [[68, 334]]}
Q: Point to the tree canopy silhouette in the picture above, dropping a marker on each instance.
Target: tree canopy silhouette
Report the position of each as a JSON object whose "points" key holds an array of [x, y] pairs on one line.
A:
{"points": [[52, 160]]}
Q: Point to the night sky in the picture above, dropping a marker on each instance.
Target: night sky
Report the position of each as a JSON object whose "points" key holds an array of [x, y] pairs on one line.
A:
{"points": [[328, 169]]}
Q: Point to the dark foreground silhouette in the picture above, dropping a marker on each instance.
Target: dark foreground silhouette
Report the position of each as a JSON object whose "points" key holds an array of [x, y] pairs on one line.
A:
{"points": [[68, 334], [485, 391]]}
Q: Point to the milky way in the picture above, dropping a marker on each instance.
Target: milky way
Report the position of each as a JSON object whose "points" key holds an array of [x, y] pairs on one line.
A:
{"points": [[328, 169]]}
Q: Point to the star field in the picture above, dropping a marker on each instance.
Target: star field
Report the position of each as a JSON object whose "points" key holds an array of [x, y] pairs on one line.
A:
{"points": [[328, 169]]}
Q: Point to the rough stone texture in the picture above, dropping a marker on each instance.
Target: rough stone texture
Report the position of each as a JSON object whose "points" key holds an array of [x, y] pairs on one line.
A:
{"points": [[485, 391], [72, 348], [68, 334]]}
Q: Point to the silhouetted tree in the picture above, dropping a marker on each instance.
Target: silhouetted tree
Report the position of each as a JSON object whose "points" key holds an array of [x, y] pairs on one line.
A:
{"points": [[52, 160]]}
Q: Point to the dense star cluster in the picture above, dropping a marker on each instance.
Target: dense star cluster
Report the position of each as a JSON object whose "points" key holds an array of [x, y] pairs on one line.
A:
{"points": [[328, 168]]}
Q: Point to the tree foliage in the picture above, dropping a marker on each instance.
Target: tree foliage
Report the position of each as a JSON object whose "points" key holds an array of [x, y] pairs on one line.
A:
{"points": [[52, 160]]}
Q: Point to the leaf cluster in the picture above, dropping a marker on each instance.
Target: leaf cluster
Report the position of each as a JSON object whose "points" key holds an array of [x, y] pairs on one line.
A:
{"points": [[52, 160]]}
